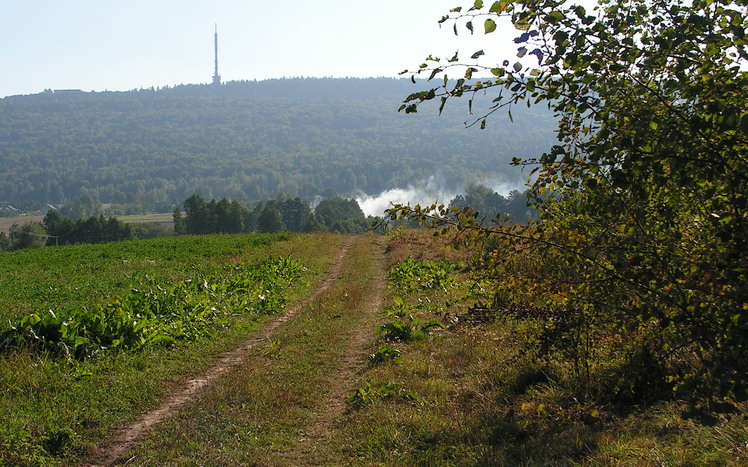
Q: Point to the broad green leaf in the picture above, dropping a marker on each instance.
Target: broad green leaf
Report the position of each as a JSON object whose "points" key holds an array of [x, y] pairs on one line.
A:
{"points": [[499, 7], [556, 16], [489, 26]]}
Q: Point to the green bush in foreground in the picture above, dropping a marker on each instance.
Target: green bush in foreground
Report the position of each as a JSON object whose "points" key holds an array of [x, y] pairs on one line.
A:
{"points": [[641, 254]]}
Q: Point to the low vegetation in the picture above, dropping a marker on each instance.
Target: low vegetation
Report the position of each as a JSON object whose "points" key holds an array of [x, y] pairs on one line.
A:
{"points": [[77, 359], [438, 378], [488, 390]]}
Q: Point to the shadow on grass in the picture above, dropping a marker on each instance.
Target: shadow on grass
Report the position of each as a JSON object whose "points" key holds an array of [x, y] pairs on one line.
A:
{"points": [[538, 419]]}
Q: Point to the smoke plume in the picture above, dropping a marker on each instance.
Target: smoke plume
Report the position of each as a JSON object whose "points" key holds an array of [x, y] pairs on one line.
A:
{"points": [[433, 190]]}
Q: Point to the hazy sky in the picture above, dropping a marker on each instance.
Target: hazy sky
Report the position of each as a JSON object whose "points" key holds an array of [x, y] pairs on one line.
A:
{"points": [[98, 45]]}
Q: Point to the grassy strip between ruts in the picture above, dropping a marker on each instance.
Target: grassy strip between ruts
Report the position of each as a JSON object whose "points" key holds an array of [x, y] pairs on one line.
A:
{"points": [[262, 411], [54, 410]]}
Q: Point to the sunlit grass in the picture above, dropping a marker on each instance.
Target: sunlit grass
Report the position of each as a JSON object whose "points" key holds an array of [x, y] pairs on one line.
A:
{"points": [[470, 394], [260, 412], [55, 410]]}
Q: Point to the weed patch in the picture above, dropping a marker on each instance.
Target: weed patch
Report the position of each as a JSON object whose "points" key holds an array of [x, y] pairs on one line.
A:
{"points": [[370, 392], [155, 315], [385, 354]]}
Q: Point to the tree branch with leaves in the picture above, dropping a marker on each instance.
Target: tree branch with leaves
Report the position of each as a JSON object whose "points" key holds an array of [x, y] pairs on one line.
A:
{"points": [[644, 196]]}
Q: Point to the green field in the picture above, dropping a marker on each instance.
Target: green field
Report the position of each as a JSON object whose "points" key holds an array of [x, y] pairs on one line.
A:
{"points": [[55, 408]]}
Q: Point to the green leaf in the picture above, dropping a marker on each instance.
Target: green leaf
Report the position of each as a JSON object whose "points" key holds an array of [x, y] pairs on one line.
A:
{"points": [[477, 54], [498, 7], [469, 25], [478, 4], [744, 123], [489, 26], [517, 67], [555, 17]]}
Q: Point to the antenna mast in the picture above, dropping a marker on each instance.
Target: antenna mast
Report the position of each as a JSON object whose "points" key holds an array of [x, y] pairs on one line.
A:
{"points": [[216, 76]]}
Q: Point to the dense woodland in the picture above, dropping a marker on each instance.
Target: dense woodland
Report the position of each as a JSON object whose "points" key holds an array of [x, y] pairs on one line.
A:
{"points": [[150, 149]]}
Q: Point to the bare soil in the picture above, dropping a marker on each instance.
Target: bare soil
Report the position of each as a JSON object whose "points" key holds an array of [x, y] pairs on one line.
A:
{"points": [[7, 222]]}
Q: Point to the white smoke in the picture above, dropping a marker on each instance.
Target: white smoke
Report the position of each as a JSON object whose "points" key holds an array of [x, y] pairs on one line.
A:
{"points": [[431, 191]]}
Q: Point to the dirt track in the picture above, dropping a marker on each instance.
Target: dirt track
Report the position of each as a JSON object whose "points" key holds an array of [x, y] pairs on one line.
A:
{"points": [[114, 450]]}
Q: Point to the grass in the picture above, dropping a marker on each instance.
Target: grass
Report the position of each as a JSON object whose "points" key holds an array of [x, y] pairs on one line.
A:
{"points": [[261, 413], [469, 394], [37, 280], [7, 222], [54, 411], [166, 218], [486, 402]]}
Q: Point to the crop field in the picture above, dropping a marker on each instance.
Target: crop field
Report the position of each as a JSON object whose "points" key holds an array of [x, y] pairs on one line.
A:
{"points": [[7, 222], [151, 312]]}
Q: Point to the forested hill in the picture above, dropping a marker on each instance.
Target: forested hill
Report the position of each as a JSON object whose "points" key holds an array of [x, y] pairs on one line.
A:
{"points": [[247, 141]]}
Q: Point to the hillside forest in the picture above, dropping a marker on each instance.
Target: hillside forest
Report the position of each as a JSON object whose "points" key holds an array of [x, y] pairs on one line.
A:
{"points": [[148, 150]]}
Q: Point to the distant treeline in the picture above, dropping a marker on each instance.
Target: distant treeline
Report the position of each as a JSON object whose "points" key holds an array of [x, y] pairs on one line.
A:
{"points": [[57, 229], [336, 214], [283, 214], [148, 150], [280, 215], [200, 217]]}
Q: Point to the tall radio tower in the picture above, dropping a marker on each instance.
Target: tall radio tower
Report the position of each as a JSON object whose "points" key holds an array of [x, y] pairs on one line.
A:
{"points": [[216, 76]]}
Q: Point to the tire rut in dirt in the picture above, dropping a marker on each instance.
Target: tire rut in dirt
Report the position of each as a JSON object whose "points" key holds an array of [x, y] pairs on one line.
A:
{"points": [[113, 450]]}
